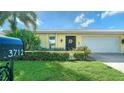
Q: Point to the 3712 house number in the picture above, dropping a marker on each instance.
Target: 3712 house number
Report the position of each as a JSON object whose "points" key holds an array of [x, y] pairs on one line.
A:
{"points": [[15, 52]]}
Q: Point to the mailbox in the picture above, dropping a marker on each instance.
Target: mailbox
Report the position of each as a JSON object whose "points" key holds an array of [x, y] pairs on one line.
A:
{"points": [[11, 48]]}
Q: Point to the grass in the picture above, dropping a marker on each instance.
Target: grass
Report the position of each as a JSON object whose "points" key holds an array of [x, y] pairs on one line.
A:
{"points": [[64, 71]]}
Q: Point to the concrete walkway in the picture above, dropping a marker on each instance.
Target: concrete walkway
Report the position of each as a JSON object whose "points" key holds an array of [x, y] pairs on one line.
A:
{"points": [[116, 65]]}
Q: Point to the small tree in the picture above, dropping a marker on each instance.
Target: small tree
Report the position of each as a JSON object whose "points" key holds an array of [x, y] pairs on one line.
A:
{"points": [[31, 41]]}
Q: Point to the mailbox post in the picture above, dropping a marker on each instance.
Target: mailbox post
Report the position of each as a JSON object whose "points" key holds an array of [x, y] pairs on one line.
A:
{"points": [[10, 49]]}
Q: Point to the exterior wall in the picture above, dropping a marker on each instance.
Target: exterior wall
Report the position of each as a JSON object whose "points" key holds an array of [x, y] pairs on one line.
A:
{"points": [[61, 39], [44, 40]]}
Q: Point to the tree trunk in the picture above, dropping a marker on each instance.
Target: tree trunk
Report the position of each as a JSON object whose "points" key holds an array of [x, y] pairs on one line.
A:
{"points": [[14, 23]]}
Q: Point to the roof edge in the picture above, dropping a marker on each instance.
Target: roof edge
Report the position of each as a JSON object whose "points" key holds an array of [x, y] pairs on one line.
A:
{"points": [[91, 31]]}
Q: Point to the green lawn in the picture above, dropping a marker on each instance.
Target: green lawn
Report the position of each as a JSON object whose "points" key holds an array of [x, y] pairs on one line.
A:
{"points": [[64, 71]]}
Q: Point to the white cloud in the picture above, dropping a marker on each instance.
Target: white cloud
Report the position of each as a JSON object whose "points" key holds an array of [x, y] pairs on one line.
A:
{"points": [[111, 27], [87, 22], [80, 18], [83, 21], [109, 13]]}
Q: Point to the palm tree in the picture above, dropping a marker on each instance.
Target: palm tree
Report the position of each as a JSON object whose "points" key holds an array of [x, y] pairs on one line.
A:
{"points": [[26, 17]]}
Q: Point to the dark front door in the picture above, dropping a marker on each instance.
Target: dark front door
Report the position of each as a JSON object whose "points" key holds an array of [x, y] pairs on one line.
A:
{"points": [[70, 42]]}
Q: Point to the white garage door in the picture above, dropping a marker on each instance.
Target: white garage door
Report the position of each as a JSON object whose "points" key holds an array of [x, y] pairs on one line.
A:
{"points": [[103, 45]]}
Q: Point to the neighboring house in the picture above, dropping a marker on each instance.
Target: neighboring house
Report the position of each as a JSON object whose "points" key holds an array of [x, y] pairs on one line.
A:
{"points": [[104, 41], [2, 33]]}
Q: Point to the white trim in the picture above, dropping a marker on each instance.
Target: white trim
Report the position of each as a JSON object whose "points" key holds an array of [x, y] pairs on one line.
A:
{"points": [[78, 31]]}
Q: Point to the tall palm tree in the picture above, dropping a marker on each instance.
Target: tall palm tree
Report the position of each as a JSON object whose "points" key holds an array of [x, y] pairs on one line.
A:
{"points": [[26, 17]]}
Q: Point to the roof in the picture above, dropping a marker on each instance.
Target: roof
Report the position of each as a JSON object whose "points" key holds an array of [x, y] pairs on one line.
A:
{"points": [[80, 31]]}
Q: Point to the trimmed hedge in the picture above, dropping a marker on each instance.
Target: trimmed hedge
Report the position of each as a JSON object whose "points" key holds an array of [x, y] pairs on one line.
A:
{"points": [[46, 56], [53, 49]]}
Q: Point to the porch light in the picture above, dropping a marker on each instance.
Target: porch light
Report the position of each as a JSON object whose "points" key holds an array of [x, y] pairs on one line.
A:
{"points": [[122, 41], [61, 40]]}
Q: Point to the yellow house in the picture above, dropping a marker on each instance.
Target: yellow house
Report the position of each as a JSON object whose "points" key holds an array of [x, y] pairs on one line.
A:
{"points": [[104, 41]]}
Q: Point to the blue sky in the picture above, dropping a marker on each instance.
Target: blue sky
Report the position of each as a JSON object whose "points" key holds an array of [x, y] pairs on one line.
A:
{"points": [[81, 20], [78, 20]]}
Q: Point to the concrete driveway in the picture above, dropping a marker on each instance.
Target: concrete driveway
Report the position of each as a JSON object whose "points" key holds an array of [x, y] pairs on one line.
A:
{"points": [[108, 57], [115, 60]]}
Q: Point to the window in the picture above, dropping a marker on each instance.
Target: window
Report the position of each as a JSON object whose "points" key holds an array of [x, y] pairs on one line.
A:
{"points": [[52, 42]]}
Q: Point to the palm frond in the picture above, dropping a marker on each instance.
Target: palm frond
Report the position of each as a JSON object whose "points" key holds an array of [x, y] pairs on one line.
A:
{"points": [[3, 17], [27, 17]]}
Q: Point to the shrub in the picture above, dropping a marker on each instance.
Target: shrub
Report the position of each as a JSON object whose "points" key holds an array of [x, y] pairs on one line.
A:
{"points": [[82, 48], [31, 41], [53, 49], [79, 56], [46, 56], [86, 52], [57, 49]]}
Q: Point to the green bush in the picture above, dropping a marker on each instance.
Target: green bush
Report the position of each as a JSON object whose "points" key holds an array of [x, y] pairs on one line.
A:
{"points": [[86, 51], [31, 41], [46, 56], [53, 49], [79, 56], [82, 48]]}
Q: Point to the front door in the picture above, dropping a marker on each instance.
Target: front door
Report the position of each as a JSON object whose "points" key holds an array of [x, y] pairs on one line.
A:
{"points": [[70, 42]]}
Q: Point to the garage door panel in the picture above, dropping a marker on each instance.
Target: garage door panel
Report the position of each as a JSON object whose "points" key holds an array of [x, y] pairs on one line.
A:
{"points": [[99, 44]]}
